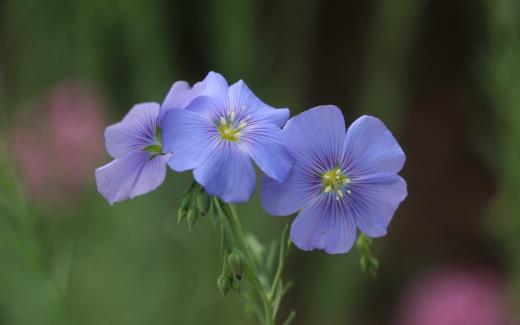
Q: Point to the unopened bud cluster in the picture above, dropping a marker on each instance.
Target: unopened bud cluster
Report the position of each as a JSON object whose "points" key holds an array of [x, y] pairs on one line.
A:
{"points": [[194, 204]]}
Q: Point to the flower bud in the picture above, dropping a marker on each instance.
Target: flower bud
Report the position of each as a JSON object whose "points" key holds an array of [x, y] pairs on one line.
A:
{"points": [[235, 261], [181, 214], [185, 201], [192, 217], [202, 201], [224, 284]]}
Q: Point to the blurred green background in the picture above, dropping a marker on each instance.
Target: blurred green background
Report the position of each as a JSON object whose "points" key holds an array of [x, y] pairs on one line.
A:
{"points": [[444, 75]]}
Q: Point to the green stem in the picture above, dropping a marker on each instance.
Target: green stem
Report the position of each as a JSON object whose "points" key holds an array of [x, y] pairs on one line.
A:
{"points": [[231, 218], [276, 280]]}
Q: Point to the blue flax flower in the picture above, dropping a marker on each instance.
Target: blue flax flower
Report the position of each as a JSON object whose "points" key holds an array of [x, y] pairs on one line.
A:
{"points": [[341, 180], [139, 164], [217, 135]]}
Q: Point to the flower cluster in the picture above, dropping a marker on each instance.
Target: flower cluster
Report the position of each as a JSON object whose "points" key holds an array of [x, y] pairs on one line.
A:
{"points": [[338, 180]]}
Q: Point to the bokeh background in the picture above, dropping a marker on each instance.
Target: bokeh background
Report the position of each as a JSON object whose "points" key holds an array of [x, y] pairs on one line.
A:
{"points": [[444, 75]]}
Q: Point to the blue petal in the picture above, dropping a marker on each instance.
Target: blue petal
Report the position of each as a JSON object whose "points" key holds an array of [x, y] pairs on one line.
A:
{"points": [[181, 94], [215, 87], [291, 195], [315, 137], [134, 132], [241, 97], [133, 175], [370, 148], [263, 142], [190, 136], [325, 225], [228, 174], [374, 200]]}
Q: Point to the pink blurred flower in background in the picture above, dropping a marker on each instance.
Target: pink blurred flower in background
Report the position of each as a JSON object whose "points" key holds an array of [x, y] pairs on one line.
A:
{"points": [[58, 144], [457, 296]]}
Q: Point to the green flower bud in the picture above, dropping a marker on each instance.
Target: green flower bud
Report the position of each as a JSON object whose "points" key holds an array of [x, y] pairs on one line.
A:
{"points": [[202, 201], [181, 214], [224, 284], [192, 217], [186, 197], [235, 261]]}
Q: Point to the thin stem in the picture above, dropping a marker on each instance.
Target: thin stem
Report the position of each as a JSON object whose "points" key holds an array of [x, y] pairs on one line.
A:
{"points": [[250, 265], [276, 280], [235, 221]]}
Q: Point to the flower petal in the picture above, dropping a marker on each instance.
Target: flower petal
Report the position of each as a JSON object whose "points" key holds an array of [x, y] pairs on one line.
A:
{"points": [[133, 175], [134, 132], [190, 136], [178, 96], [215, 87], [181, 94], [240, 97], [374, 200], [315, 137], [228, 173], [263, 142], [291, 195], [325, 225], [370, 148]]}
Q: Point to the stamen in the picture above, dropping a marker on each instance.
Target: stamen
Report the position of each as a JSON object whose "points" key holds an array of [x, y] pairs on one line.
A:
{"points": [[229, 128], [334, 180]]}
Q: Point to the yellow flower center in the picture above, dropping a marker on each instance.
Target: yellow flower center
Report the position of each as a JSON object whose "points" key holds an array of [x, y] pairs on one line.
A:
{"points": [[333, 181], [229, 128]]}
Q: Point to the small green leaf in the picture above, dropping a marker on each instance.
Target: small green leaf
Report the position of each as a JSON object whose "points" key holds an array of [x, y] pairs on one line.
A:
{"points": [[155, 149], [158, 135], [285, 243], [290, 318], [271, 256]]}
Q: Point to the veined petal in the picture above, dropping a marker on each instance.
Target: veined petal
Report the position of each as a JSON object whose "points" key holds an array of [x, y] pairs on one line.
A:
{"points": [[134, 132], [263, 142], [241, 98], [374, 200], [325, 225], [130, 176], [179, 96], [315, 137], [215, 87], [192, 137], [370, 148], [228, 174], [283, 198]]}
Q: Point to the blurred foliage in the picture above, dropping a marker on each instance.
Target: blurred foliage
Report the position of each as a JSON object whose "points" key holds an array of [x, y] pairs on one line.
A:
{"points": [[501, 80]]}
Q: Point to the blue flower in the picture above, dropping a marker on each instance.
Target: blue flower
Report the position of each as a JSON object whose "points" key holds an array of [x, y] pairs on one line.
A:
{"points": [[139, 164], [217, 135], [341, 180]]}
